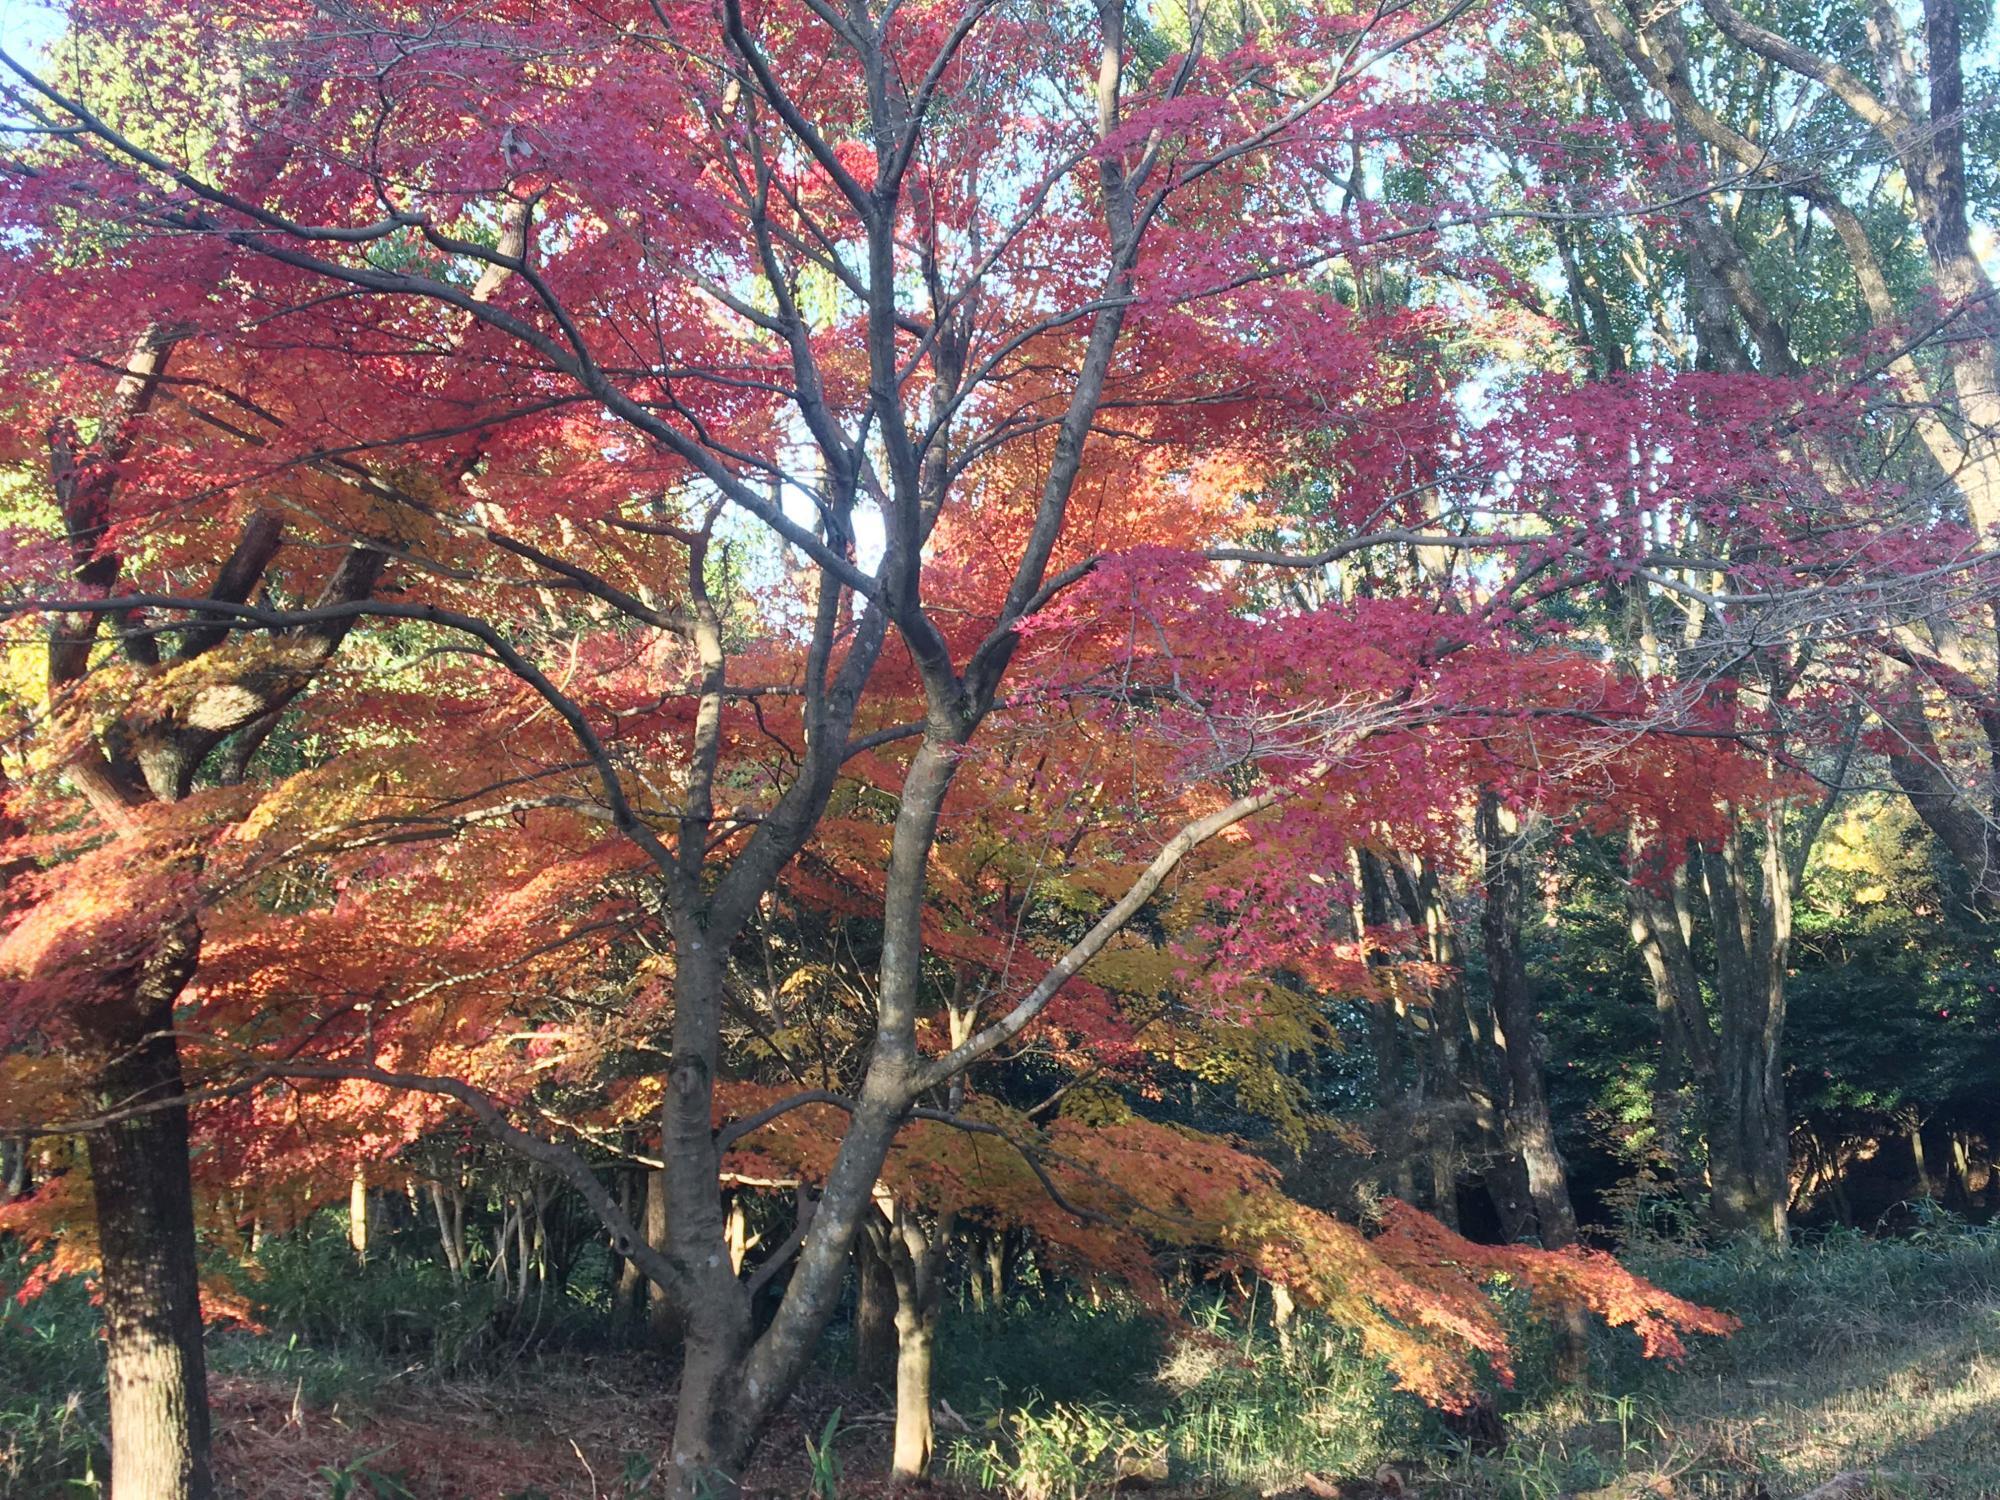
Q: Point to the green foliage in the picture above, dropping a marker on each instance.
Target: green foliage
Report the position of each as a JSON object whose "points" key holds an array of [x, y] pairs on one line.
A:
{"points": [[1842, 1323], [1835, 1295], [312, 1373], [1060, 1351], [52, 1418], [1220, 1403], [1057, 1452], [824, 1461], [355, 1480], [312, 1285]]}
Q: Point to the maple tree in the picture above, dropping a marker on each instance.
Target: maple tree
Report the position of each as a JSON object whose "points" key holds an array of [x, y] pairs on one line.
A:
{"points": [[770, 454]]}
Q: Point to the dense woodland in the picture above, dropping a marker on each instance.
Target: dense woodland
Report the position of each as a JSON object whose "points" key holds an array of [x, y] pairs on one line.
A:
{"points": [[1021, 745]]}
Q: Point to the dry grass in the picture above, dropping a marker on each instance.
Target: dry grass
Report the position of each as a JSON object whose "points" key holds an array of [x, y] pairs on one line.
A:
{"points": [[1907, 1391]]}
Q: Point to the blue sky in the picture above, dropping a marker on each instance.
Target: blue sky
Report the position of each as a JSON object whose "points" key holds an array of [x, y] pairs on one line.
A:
{"points": [[27, 26]]}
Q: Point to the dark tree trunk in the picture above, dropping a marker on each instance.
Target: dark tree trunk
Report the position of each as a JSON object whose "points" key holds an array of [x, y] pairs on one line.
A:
{"points": [[1749, 1133], [16, 1167], [1529, 1128], [1448, 1079], [1662, 926], [628, 1282], [154, 1363], [874, 1314], [1530, 1131]]}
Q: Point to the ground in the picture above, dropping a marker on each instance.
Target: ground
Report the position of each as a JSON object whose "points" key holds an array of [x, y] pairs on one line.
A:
{"points": [[1856, 1354], [1874, 1359]]}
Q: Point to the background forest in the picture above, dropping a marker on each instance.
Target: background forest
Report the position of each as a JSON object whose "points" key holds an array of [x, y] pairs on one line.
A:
{"points": [[1022, 746]]}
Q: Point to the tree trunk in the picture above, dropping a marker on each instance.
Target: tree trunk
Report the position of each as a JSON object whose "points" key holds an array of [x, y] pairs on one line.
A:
{"points": [[715, 1423], [874, 1311], [915, 1333], [916, 1259], [358, 1217], [1530, 1131], [1749, 1133], [450, 1212], [1919, 1163], [1395, 1131], [664, 1325], [16, 1167], [149, 1282], [628, 1289], [1661, 924], [997, 1247], [1448, 1076]]}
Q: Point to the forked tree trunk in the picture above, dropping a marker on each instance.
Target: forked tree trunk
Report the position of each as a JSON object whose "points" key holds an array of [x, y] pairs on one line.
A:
{"points": [[149, 1278], [1662, 925], [449, 1209]]}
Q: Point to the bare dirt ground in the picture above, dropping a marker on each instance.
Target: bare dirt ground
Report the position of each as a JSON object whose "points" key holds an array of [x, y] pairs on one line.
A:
{"points": [[583, 1429]]}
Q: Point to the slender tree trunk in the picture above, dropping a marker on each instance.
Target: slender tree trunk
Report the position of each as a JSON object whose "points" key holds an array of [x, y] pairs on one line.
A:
{"points": [[16, 1167], [1919, 1163], [629, 1290], [149, 1279], [739, 1234], [998, 1255], [1396, 1136], [915, 1334], [451, 1228], [664, 1324], [1530, 1128], [358, 1217], [1448, 1071], [525, 1251]]}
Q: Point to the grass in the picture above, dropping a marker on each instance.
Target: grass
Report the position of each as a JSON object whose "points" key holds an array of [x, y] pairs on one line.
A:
{"points": [[51, 1393], [1855, 1354]]}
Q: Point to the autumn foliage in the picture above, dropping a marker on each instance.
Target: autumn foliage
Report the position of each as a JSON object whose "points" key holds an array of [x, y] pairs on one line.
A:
{"points": [[843, 604]]}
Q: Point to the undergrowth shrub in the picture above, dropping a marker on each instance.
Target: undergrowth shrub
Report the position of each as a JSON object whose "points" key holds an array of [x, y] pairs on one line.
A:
{"points": [[1068, 1400], [52, 1412], [311, 1284], [1224, 1401], [1053, 1351]]}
